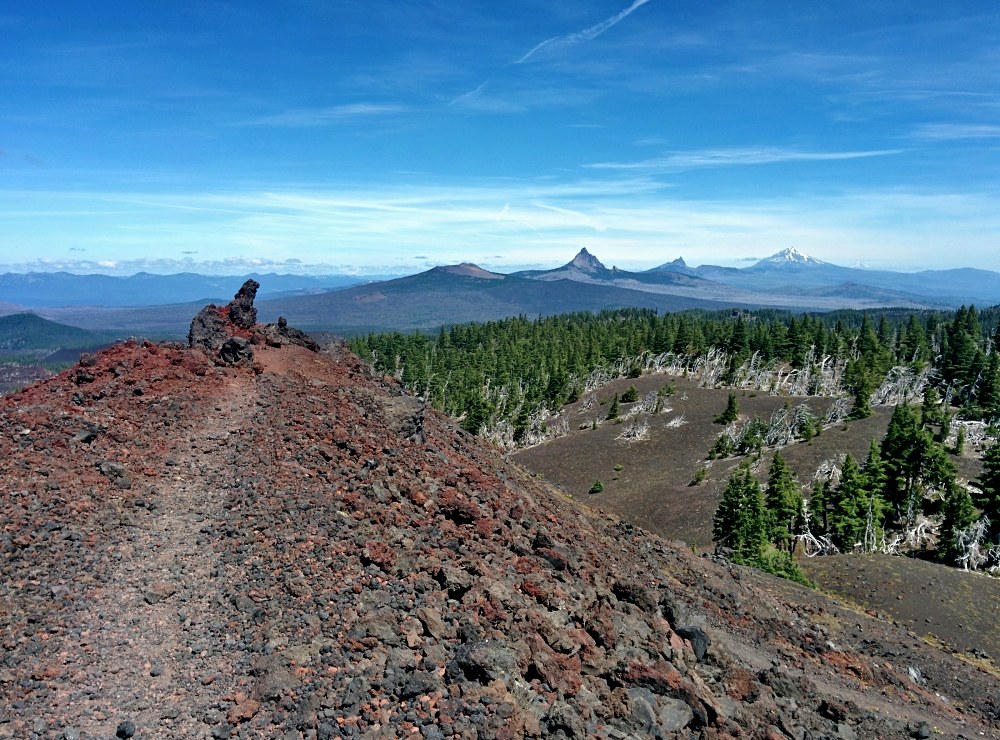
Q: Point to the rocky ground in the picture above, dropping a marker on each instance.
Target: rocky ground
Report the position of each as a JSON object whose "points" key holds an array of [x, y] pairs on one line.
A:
{"points": [[288, 546]]}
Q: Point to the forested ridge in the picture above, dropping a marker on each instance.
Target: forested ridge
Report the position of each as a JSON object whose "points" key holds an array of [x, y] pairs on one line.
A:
{"points": [[514, 368], [505, 379]]}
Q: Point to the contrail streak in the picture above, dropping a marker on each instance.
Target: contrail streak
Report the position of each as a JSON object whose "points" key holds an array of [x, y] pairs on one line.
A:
{"points": [[586, 35]]}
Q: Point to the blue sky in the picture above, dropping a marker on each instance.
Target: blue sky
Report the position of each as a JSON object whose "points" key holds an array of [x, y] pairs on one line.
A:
{"points": [[367, 136]]}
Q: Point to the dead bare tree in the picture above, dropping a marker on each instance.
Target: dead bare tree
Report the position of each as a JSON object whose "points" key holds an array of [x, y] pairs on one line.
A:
{"points": [[837, 411], [588, 403], [636, 431], [829, 470], [977, 433], [710, 367], [969, 542], [901, 385], [811, 544]]}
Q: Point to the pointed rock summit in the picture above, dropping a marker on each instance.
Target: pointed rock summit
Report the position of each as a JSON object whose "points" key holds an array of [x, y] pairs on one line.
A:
{"points": [[587, 262]]}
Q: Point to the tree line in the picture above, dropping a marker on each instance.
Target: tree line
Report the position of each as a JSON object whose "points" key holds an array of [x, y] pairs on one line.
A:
{"points": [[513, 369]]}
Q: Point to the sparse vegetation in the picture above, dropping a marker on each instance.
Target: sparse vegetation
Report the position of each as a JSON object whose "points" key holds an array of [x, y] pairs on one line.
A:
{"points": [[700, 475], [597, 487]]}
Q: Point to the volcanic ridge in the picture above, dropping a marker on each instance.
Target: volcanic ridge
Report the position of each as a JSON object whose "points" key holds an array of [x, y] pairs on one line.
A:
{"points": [[249, 537]]}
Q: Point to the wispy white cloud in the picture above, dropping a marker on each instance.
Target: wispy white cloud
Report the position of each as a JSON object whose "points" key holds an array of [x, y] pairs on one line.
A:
{"points": [[378, 229], [587, 34], [702, 158], [955, 131], [306, 117]]}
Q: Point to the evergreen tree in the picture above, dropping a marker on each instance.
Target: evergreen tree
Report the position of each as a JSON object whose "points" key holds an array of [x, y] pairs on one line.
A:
{"points": [[783, 501], [477, 415], [959, 514], [819, 519], [873, 470], [873, 479], [849, 507], [739, 341], [914, 462], [914, 348], [963, 358], [613, 411], [731, 413], [931, 410], [740, 522], [860, 380], [989, 387], [989, 483], [886, 334]]}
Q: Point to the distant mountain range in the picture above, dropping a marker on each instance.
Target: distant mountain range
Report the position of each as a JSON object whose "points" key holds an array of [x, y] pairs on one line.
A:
{"points": [[58, 289], [467, 292]]}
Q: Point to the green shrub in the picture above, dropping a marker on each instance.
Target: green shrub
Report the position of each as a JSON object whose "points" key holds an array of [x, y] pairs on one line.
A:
{"points": [[597, 487], [667, 391]]}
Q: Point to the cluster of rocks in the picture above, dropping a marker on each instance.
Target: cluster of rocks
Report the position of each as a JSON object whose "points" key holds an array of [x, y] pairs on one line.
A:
{"points": [[196, 548], [228, 332]]}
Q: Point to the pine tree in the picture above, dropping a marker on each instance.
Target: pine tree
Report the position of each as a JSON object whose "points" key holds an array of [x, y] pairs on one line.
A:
{"points": [[908, 452], [613, 411], [740, 522], [732, 412], [959, 514], [989, 483], [989, 387], [872, 506], [860, 380], [931, 410], [914, 348], [819, 516], [848, 510], [783, 501]]}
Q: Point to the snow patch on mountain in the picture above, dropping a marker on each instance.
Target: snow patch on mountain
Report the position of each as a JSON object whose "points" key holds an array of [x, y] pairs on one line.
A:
{"points": [[789, 256]]}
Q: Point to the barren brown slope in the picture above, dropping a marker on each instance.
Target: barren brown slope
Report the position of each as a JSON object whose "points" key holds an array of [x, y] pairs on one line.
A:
{"points": [[299, 549], [649, 481]]}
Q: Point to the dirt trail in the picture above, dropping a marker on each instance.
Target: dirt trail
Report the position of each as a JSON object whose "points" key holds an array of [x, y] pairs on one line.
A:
{"points": [[160, 650]]}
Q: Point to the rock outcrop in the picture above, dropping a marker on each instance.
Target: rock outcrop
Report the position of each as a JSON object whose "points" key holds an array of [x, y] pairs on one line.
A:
{"points": [[226, 333], [290, 558]]}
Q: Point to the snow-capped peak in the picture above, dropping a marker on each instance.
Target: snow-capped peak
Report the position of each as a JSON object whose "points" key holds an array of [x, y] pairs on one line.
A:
{"points": [[790, 256]]}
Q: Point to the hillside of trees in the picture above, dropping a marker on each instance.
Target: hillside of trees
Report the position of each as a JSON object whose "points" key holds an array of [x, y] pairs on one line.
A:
{"points": [[507, 380], [512, 370]]}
